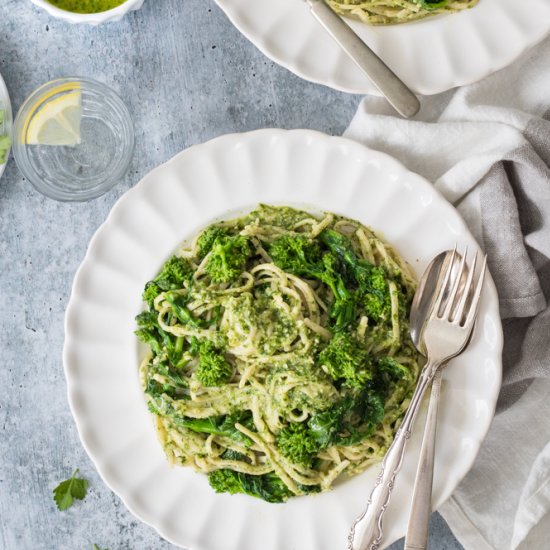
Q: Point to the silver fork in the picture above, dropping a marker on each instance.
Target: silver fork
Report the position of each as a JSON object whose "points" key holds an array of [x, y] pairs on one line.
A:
{"points": [[446, 334], [400, 97]]}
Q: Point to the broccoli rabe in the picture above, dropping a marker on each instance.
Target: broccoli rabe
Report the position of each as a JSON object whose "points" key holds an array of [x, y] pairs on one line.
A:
{"points": [[213, 369], [161, 343], [180, 310], [231, 454], [300, 256], [372, 285], [171, 277], [268, 487], [173, 383], [352, 419], [345, 359], [395, 369], [223, 425], [297, 444], [149, 331]]}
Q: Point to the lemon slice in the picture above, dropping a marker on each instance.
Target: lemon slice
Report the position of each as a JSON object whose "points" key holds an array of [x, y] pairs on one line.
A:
{"points": [[58, 122]]}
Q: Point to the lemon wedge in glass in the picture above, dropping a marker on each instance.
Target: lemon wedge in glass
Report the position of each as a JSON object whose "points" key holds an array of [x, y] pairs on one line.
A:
{"points": [[57, 122]]}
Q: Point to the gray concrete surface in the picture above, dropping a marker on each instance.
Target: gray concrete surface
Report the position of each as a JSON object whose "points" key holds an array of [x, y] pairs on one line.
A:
{"points": [[187, 75]]}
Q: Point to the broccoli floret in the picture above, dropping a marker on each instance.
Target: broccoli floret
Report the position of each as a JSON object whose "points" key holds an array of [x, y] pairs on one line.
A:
{"points": [[376, 296], [227, 258], [213, 369], [296, 443], [226, 481], [295, 254], [172, 276], [301, 256], [345, 359], [268, 487], [174, 272], [207, 238], [151, 291]]}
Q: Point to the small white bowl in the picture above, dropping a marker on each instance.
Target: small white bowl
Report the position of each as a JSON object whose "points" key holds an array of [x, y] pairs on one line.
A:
{"points": [[90, 18]]}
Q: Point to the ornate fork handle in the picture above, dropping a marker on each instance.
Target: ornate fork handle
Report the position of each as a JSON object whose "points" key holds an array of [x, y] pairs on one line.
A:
{"points": [[366, 532]]}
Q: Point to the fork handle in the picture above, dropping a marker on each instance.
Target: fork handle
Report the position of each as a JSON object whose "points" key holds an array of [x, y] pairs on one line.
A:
{"points": [[366, 533], [386, 81], [421, 510]]}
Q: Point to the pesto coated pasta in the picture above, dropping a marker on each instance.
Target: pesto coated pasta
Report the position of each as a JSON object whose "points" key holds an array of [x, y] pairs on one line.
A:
{"points": [[390, 12], [279, 352]]}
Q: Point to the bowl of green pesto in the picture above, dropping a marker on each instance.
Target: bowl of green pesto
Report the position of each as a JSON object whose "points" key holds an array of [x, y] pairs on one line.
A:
{"points": [[92, 12]]}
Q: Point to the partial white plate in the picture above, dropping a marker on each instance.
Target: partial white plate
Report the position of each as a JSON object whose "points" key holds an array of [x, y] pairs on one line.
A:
{"points": [[6, 106], [216, 180], [431, 56]]}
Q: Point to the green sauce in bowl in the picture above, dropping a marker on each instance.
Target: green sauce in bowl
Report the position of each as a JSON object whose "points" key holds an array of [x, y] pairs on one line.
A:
{"points": [[86, 6]]}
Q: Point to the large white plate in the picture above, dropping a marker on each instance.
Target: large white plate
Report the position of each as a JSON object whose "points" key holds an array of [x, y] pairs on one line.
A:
{"points": [[431, 56], [215, 180], [6, 106]]}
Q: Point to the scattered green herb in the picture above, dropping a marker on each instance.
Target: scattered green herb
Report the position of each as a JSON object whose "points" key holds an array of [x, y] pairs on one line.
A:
{"points": [[65, 493]]}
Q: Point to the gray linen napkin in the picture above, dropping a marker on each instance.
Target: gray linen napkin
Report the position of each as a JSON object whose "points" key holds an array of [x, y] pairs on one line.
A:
{"points": [[486, 147]]}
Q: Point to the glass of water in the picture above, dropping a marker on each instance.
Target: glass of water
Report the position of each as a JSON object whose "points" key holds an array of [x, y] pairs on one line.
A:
{"points": [[73, 139]]}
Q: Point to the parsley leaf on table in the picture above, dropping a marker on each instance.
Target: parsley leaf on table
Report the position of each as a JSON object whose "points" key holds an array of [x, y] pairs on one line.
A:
{"points": [[65, 493]]}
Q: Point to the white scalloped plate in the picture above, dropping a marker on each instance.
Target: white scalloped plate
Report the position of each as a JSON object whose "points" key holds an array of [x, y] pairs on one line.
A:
{"points": [[6, 106], [431, 56], [215, 180]]}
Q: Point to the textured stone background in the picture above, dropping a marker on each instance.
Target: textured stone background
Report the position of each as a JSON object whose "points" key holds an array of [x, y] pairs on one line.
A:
{"points": [[187, 76]]}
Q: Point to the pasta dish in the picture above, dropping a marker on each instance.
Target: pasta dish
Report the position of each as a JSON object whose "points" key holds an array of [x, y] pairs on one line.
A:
{"points": [[279, 356], [389, 12]]}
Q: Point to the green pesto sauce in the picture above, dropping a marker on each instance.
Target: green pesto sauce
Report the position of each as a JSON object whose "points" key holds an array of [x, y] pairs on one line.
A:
{"points": [[86, 6]]}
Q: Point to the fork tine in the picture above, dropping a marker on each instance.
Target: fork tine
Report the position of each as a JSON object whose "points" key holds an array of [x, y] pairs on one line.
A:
{"points": [[456, 285], [472, 312], [441, 291], [468, 287]]}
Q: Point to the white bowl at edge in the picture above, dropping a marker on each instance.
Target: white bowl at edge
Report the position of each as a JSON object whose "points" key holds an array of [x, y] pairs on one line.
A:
{"points": [[114, 14]]}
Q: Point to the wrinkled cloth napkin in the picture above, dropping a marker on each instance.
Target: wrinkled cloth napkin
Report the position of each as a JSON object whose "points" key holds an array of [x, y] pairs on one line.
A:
{"points": [[486, 148]]}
